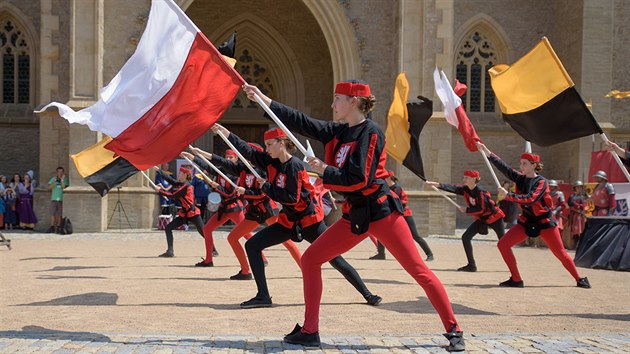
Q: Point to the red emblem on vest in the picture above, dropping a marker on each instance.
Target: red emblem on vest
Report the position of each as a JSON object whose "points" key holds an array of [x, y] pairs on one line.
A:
{"points": [[472, 201], [249, 180], [343, 152], [281, 181]]}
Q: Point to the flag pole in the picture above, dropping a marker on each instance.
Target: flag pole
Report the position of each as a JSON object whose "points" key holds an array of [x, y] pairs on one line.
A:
{"points": [[616, 157], [446, 197], [282, 126], [211, 166], [238, 153], [494, 175], [148, 179]]}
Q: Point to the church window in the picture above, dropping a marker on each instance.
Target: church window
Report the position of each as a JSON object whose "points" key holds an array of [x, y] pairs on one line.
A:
{"points": [[16, 63], [475, 56]]}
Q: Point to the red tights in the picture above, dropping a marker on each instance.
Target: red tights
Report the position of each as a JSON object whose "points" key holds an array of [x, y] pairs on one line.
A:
{"points": [[393, 232], [237, 217], [552, 239]]}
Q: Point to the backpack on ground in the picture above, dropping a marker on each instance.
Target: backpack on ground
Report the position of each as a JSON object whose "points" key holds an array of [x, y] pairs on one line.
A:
{"points": [[66, 226]]}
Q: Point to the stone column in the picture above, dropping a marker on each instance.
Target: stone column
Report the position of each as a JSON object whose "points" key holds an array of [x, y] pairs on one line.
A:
{"points": [[428, 24], [82, 204]]}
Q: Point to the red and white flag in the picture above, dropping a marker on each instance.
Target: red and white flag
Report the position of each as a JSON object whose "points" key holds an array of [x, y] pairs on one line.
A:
{"points": [[454, 109], [172, 90]]}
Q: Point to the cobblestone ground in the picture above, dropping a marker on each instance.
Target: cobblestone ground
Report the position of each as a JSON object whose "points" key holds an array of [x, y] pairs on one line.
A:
{"points": [[108, 293]]}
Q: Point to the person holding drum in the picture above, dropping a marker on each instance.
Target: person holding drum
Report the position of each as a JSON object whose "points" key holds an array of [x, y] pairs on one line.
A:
{"points": [[183, 191], [259, 209]]}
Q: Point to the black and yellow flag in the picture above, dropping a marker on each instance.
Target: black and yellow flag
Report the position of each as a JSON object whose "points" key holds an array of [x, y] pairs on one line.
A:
{"points": [[404, 125], [539, 100], [101, 169]]}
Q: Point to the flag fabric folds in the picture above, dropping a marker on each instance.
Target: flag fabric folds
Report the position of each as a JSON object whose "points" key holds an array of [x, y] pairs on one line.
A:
{"points": [[539, 100], [454, 111], [604, 161], [101, 169], [404, 125], [171, 90]]}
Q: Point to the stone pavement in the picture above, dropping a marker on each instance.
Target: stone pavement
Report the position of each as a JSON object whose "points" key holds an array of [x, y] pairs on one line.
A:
{"points": [[108, 293]]}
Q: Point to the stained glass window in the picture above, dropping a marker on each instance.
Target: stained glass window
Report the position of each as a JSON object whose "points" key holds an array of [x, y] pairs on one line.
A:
{"points": [[475, 56], [255, 73], [16, 64]]}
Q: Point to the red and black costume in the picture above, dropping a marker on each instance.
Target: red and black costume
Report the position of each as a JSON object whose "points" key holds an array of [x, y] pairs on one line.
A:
{"points": [[480, 205], [578, 204], [260, 209], [301, 216], [532, 193], [182, 191], [356, 168], [230, 208], [558, 204]]}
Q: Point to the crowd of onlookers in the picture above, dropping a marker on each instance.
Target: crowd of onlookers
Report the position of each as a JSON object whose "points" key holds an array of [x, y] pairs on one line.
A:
{"points": [[16, 200]]}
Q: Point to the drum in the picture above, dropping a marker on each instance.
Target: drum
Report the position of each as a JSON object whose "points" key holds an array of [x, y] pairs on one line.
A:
{"points": [[164, 220], [214, 199]]}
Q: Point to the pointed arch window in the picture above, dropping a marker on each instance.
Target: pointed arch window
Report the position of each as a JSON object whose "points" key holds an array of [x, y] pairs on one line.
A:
{"points": [[15, 60], [254, 71], [475, 56]]}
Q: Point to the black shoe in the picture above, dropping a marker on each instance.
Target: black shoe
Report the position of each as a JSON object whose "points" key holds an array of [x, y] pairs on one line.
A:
{"points": [[167, 254], [455, 340], [215, 253], [583, 283], [51, 230], [467, 268], [512, 284], [373, 300], [429, 258], [204, 264], [297, 337], [241, 276], [378, 256], [255, 303]]}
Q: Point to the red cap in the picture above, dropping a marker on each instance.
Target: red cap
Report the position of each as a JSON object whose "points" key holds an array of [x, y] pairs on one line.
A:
{"points": [[274, 134], [350, 89], [472, 174], [531, 157], [185, 170], [256, 146], [230, 152]]}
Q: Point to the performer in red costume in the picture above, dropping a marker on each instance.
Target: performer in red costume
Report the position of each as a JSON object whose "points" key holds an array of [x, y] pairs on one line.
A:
{"points": [[354, 166], [183, 191], [532, 193], [603, 195], [480, 205]]}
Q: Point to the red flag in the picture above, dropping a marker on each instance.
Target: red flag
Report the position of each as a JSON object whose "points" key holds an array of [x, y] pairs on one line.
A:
{"points": [[604, 161], [454, 109], [174, 87]]}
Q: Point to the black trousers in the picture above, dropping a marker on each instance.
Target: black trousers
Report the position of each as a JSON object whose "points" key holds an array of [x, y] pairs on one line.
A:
{"points": [[472, 231], [414, 233], [179, 221], [275, 234]]}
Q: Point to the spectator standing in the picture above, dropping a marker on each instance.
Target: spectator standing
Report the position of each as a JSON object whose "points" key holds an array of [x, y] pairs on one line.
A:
{"points": [[165, 202], [201, 191], [56, 185], [10, 216], [27, 216]]}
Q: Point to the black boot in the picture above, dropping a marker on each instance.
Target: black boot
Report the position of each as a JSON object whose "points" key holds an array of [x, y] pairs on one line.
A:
{"points": [[512, 284], [378, 256], [203, 263], [455, 340], [298, 337], [583, 283], [467, 268], [256, 302], [373, 300], [168, 253]]}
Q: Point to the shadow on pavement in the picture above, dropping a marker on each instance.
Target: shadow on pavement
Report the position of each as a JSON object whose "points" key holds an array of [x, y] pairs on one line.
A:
{"points": [[37, 332], [87, 299], [58, 269], [423, 306]]}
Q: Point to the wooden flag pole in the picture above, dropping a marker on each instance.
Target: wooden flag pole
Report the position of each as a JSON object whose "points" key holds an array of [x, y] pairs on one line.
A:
{"points": [[616, 157], [446, 197], [282, 126], [494, 175], [211, 166], [238, 153], [148, 179]]}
